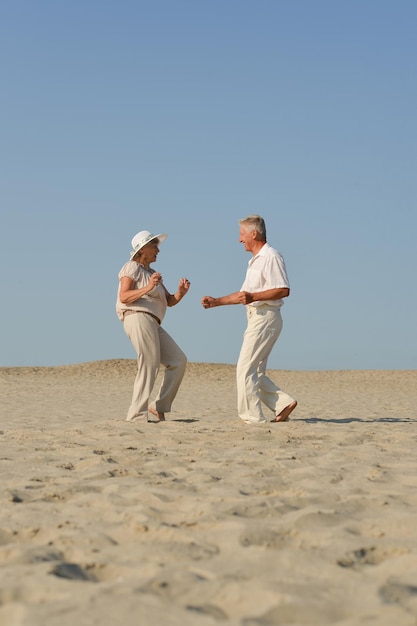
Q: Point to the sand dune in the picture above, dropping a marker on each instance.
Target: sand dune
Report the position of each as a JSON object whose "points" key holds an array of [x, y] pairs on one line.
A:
{"points": [[204, 520]]}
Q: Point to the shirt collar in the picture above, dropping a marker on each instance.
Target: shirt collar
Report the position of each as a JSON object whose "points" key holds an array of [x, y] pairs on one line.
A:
{"points": [[262, 252]]}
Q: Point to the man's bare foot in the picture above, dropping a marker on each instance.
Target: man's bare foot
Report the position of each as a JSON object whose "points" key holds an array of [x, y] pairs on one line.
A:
{"points": [[285, 413], [160, 416]]}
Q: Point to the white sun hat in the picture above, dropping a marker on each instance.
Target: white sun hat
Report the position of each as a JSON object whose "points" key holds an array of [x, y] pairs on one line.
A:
{"points": [[142, 238]]}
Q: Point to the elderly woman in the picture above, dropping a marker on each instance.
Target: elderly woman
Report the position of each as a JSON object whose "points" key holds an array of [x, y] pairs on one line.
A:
{"points": [[142, 300]]}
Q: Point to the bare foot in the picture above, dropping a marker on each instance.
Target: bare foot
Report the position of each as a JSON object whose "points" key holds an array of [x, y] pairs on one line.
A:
{"points": [[285, 413], [160, 416]]}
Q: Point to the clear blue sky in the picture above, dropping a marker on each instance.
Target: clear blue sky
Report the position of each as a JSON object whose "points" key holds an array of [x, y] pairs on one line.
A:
{"points": [[182, 116]]}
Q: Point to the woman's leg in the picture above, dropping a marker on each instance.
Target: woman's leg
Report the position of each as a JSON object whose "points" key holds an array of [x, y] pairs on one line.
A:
{"points": [[174, 361], [142, 331]]}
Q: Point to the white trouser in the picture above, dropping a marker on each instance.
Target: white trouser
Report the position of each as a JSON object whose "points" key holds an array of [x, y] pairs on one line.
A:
{"points": [[154, 347], [253, 385]]}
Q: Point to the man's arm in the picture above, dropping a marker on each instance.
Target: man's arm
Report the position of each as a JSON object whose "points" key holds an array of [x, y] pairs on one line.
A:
{"points": [[244, 297], [209, 302], [268, 294]]}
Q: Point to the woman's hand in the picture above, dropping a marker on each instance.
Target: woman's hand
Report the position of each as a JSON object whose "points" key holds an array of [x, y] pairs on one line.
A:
{"points": [[183, 287], [155, 280]]}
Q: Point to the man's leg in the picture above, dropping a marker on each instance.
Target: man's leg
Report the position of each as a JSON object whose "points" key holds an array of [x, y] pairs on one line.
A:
{"points": [[259, 338], [270, 394]]}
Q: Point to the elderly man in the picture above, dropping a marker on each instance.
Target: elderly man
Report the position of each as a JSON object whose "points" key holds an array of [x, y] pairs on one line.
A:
{"points": [[264, 288]]}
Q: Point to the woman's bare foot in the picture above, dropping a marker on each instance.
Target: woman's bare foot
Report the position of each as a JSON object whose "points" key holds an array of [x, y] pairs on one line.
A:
{"points": [[160, 416], [285, 413]]}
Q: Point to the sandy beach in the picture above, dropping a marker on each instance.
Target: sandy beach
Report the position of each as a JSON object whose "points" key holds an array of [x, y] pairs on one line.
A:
{"points": [[203, 520]]}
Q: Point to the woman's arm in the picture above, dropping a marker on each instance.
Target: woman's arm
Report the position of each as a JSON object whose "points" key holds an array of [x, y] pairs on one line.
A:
{"points": [[129, 294], [183, 287]]}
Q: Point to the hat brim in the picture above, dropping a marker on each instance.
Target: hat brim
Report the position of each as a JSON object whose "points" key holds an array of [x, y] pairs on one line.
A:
{"points": [[161, 237]]}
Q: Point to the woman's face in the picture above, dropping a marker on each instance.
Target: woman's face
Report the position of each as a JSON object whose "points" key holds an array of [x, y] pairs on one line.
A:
{"points": [[149, 253]]}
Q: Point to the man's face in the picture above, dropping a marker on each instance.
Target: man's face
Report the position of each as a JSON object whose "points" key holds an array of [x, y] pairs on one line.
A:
{"points": [[247, 238]]}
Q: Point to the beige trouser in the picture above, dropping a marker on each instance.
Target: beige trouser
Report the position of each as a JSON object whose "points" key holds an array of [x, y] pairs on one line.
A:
{"points": [[253, 385], [154, 347]]}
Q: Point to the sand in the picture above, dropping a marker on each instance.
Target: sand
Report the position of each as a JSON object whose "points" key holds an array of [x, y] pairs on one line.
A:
{"points": [[203, 520]]}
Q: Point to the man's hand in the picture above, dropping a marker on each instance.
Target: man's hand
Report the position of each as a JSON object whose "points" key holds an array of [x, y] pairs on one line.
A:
{"points": [[244, 297], [208, 302]]}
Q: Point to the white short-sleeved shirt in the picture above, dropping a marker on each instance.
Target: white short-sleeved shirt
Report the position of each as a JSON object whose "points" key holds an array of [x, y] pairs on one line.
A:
{"points": [[154, 302], [266, 270]]}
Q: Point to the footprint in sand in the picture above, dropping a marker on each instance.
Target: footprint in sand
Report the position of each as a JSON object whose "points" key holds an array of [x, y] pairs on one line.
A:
{"points": [[370, 556], [72, 571], [266, 538], [398, 593]]}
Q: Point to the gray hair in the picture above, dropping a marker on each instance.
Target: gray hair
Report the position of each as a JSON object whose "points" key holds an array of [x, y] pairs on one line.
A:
{"points": [[254, 222]]}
